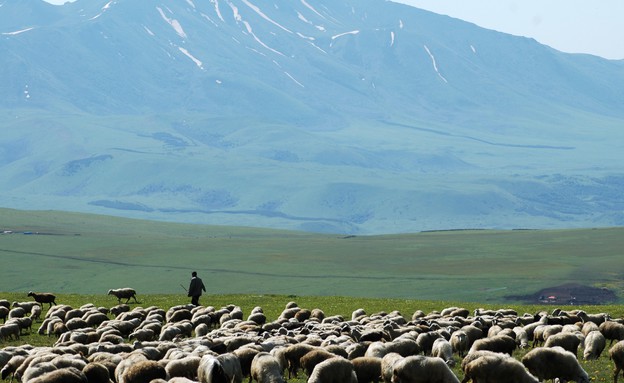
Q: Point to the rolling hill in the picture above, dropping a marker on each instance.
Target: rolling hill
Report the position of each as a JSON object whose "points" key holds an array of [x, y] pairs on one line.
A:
{"points": [[354, 117], [89, 254]]}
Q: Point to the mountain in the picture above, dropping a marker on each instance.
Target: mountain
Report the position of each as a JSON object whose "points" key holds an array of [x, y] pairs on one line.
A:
{"points": [[357, 117]]}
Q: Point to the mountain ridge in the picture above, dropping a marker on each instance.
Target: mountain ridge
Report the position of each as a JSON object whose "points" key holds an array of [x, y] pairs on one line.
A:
{"points": [[347, 116]]}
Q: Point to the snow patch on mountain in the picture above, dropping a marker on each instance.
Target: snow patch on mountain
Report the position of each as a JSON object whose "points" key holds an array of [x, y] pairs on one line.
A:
{"points": [[235, 13], [195, 60], [435, 65], [264, 16], [17, 32], [250, 31], [334, 37], [295, 80], [217, 10], [312, 9], [175, 24]]}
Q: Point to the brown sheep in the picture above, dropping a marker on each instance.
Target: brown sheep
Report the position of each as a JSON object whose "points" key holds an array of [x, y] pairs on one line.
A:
{"points": [[43, 298]]}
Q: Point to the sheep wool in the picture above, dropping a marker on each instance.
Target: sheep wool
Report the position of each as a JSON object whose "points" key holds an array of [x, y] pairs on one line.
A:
{"points": [[594, 345], [265, 368], [616, 353], [495, 369], [334, 370], [554, 362], [422, 369]]}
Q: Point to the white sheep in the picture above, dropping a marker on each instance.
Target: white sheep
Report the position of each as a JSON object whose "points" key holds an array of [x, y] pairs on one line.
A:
{"points": [[442, 349], [522, 337], [498, 343], [554, 362], [567, 341], [184, 367], [459, 342], [497, 369], [210, 370], [265, 368], [65, 375], [232, 367], [612, 331], [387, 366], [143, 371], [616, 353], [594, 344], [422, 369], [27, 306], [334, 370], [10, 330], [123, 293]]}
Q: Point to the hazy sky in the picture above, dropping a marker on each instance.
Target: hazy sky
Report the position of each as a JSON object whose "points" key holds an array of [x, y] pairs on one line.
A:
{"points": [[576, 26]]}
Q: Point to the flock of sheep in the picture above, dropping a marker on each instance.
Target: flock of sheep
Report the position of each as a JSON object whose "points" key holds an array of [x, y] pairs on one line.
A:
{"points": [[205, 344]]}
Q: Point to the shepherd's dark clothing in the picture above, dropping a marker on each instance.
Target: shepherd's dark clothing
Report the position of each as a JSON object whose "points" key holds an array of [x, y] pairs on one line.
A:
{"points": [[195, 290]]}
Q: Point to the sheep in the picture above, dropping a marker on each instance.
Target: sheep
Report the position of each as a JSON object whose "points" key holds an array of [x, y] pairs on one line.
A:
{"points": [[422, 369], [265, 368], [293, 356], [245, 355], [184, 367], [403, 345], [459, 342], [334, 370], [387, 366], [35, 313], [10, 331], [27, 306], [314, 357], [142, 335], [522, 337], [567, 341], [17, 312], [123, 293], [367, 369], [64, 375], [11, 366], [425, 341], [231, 366], [96, 373], [616, 353], [43, 298], [443, 349], [494, 369], [210, 370], [554, 362], [498, 343], [594, 344], [612, 331], [596, 318], [143, 371], [4, 313]]}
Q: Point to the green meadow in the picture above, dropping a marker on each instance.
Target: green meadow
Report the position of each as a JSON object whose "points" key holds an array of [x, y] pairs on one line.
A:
{"points": [[79, 253]]}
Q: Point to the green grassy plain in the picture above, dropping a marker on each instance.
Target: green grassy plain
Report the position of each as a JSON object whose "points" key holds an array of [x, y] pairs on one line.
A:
{"points": [[88, 254], [599, 370]]}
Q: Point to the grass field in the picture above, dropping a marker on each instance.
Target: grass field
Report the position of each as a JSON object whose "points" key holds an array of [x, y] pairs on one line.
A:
{"points": [[88, 254], [599, 370]]}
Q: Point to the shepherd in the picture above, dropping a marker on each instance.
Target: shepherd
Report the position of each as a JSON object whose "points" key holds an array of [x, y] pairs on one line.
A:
{"points": [[195, 288]]}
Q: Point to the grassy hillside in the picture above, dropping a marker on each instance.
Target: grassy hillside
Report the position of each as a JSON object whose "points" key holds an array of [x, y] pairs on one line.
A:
{"points": [[88, 254]]}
